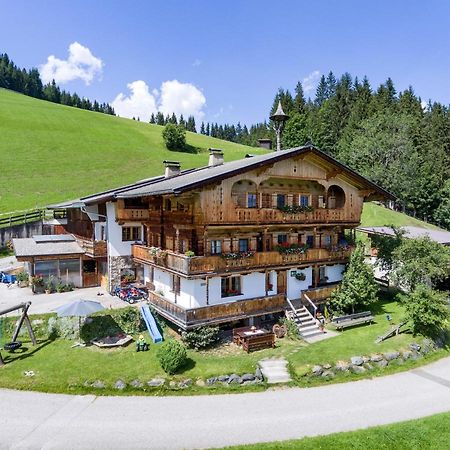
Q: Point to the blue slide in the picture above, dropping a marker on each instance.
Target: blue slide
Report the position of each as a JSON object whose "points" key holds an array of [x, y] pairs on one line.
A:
{"points": [[151, 324]]}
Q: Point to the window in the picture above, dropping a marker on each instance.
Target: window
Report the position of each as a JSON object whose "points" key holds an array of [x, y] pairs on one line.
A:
{"points": [[216, 247], [282, 239], [310, 241], [281, 200], [327, 240], [175, 284], [252, 201], [243, 245], [304, 200], [231, 286], [131, 234]]}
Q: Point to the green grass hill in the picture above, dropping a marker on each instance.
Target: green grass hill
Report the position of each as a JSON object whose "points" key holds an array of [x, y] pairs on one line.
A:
{"points": [[51, 152]]}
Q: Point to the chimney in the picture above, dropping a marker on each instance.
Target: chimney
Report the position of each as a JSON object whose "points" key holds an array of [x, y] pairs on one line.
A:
{"points": [[215, 157], [173, 168]]}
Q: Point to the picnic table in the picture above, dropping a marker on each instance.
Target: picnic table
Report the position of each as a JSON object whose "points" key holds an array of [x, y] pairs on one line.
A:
{"points": [[252, 338], [352, 319]]}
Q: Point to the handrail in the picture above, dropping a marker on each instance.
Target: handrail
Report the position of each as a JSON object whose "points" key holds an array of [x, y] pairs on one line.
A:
{"points": [[311, 303]]}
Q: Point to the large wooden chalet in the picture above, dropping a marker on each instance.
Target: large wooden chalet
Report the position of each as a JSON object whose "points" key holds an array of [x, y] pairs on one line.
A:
{"points": [[229, 241]]}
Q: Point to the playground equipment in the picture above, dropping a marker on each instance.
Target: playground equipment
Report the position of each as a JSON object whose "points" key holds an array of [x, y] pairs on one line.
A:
{"points": [[151, 324], [394, 330], [15, 344]]}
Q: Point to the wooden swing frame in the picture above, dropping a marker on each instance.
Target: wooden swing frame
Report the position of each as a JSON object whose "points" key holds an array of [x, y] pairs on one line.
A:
{"points": [[23, 318]]}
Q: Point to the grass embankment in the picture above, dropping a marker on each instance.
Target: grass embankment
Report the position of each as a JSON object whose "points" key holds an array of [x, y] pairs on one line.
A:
{"points": [[429, 433], [52, 152], [60, 368]]}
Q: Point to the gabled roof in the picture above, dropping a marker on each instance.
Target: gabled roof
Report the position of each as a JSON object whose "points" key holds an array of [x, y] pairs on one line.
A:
{"points": [[440, 236], [52, 245], [195, 178]]}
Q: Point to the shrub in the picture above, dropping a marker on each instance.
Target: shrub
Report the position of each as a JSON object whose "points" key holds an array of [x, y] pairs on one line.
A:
{"points": [[201, 337], [174, 137], [291, 328], [171, 356], [22, 276]]}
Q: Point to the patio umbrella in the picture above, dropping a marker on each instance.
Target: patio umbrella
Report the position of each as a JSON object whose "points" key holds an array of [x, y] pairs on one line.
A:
{"points": [[79, 308]]}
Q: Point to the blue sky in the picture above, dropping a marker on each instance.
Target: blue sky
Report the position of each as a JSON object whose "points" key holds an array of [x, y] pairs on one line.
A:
{"points": [[228, 58]]}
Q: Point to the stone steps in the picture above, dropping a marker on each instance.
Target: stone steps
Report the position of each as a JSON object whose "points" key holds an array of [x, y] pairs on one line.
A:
{"points": [[275, 370]]}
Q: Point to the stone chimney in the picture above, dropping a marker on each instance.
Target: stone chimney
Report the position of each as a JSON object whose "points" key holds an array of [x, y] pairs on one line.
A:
{"points": [[173, 168], [215, 157]]}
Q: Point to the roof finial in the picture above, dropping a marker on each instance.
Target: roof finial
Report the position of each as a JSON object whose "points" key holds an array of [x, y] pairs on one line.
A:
{"points": [[279, 118]]}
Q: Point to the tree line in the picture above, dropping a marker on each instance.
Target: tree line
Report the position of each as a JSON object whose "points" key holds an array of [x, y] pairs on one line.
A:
{"points": [[159, 119], [390, 137], [29, 82]]}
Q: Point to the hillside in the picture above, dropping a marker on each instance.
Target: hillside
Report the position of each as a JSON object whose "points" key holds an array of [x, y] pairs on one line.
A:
{"points": [[376, 216], [52, 152]]}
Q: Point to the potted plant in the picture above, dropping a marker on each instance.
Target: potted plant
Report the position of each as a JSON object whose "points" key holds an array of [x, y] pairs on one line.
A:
{"points": [[189, 254], [37, 283], [22, 279], [300, 276], [49, 285]]}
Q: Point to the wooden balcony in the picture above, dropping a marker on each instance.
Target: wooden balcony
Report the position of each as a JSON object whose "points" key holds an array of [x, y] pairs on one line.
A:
{"points": [[132, 215], [94, 249], [217, 264], [272, 215], [215, 314]]}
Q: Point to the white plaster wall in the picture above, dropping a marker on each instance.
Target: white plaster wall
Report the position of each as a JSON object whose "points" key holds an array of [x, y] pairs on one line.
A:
{"points": [[294, 286], [334, 273], [162, 281], [115, 245]]}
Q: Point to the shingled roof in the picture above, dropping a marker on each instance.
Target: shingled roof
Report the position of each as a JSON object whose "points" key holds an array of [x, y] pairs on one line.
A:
{"points": [[195, 178]]}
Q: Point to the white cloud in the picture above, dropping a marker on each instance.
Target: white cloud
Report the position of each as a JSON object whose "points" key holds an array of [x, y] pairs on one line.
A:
{"points": [[196, 62], [140, 103], [310, 81], [171, 97], [80, 64]]}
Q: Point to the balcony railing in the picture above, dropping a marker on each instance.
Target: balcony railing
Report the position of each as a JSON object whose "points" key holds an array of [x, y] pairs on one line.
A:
{"points": [[133, 214], [203, 264], [214, 314], [320, 294], [271, 215], [94, 249]]}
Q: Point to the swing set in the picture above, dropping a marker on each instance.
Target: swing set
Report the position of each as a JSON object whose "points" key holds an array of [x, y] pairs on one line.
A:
{"points": [[15, 344]]}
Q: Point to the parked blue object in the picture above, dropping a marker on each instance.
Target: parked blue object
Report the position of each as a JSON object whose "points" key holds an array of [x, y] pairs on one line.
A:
{"points": [[150, 322], [7, 278]]}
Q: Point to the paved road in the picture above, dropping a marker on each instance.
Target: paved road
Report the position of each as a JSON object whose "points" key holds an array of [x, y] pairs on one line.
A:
{"points": [[34, 420]]}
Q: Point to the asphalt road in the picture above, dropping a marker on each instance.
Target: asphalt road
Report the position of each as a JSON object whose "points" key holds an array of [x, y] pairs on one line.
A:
{"points": [[35, 420]]}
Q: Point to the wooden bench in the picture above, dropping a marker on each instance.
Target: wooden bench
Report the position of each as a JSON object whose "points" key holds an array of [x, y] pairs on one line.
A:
{"points": [[258, 342], [353, 319]]}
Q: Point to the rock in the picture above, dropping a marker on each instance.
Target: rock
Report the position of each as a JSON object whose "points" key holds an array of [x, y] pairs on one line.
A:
{"points": [[317, 370], [98, 384], [407, 354], [414, 347], [136, 384], [248, 377], [389, 356], [211, 381], [428, 343], [156, 382], [87, 383], [382, 364], [185, 383], [342, 366], [29, 373], [120, 385], [357, 360], [223, 378], [235, 379], [258, 374], [358, 369], [328, 374], [327, 366], [415, 356], [368, 366], [173, 384], [400, 361], [200, 383], [376, 358], [425, 350]]}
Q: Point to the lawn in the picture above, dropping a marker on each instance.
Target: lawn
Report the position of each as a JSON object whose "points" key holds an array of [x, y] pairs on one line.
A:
{"points": [[53, 152], [60, 368], [429, 433]]}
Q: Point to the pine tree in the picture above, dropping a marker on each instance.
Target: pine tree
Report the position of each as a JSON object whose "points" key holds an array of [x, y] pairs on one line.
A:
{"points": [[190, 124], [182, 122], [152, 118], [321, 91], [202, 128], [208, 131], [173, 119], [299, 99], [160, 118]]}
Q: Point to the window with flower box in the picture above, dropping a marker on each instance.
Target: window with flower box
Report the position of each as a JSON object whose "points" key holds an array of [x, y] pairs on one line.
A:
{"points": [[231, 286]]}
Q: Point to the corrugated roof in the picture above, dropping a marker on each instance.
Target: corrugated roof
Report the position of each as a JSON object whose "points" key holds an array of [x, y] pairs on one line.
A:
{"points": [[27, 247], [440, 236]]}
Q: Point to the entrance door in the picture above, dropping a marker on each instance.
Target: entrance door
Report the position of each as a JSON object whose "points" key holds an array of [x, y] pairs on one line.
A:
{"points": [[259, 243], [281, 282], [90, 274]]}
